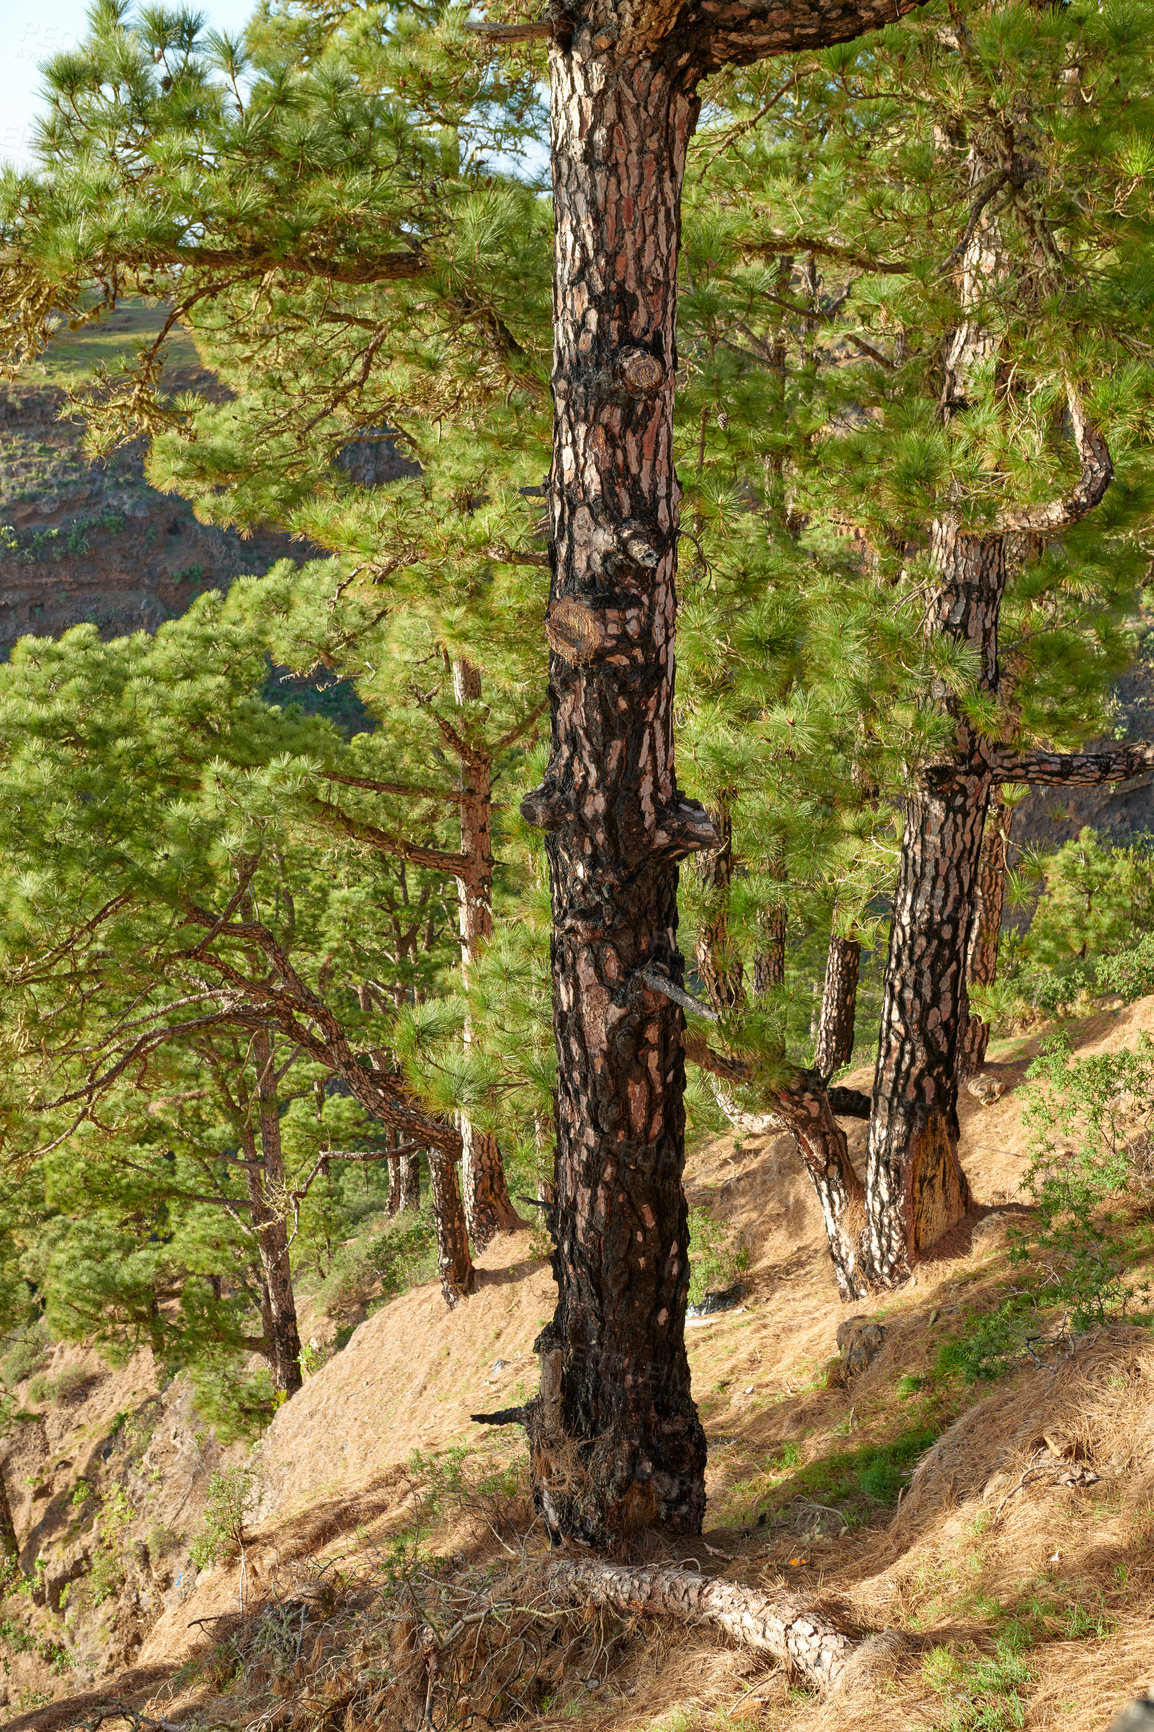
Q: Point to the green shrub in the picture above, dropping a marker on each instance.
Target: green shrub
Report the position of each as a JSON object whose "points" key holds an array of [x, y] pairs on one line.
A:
{"points": [[384, 1263], [717, 1255], [236, 1403], [1091, 1174], [855, 1482], [231, 1493], [24, 1358], [106, 1574]]}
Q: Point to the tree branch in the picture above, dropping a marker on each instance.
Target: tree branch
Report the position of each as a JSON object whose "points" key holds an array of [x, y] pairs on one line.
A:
{"points": [[534, 30], [733, 34], [1088, 491], [1074, 769]]}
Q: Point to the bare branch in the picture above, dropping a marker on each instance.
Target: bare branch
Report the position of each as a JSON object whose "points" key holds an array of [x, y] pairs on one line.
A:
{"points": [[1074, 769], [1088, 491]]}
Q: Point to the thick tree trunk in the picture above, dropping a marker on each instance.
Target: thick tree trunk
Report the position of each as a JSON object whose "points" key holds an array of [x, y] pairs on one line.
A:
{"points": [[916, 1190], [614, 1434], [718, 960], [488, 1209], [271, 1227], [985, 931], [454, 1264], [835, 1026], [9, 1545]]}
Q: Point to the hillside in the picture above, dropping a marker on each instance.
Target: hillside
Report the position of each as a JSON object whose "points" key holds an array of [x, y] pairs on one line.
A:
{"points": [[1019, 1541]]}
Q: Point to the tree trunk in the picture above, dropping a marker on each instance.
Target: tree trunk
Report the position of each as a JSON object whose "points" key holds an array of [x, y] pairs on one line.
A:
{"points": [[9, 1545], [985, 931], [394, 1205], [488, 1209], [410, 1186], [769, 961], [454, 1264], [718, 960], [804, 1106], [271, 1228], [916, 1190], [835, 1026], [614, 1435]]}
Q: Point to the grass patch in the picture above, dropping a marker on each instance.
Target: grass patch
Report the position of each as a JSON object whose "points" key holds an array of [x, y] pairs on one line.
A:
{"points": [[854, 1482]]}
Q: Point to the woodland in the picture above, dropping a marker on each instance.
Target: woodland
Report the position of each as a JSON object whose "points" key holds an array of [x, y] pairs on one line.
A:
{"points": [[766, 398]]}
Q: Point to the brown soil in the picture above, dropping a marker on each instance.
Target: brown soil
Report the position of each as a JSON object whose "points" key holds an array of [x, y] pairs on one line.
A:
{"points": [[1034, 1510]]}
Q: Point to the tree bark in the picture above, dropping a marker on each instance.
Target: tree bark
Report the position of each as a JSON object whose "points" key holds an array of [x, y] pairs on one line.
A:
{"points": [[916, 1190], [454, 1264], [615, 1439], [835, 1028], [805, 1108], [718, 960], [393, 1206], [985, 931], [769, 961], [488, 1210], [271, 1228], [410, 1186], [798, 1635]]}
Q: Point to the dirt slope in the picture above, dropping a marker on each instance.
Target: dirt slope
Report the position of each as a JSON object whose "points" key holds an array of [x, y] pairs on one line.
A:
{"points": [[1037, 1495]]}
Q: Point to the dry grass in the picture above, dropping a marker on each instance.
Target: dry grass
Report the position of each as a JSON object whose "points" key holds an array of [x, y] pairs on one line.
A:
{"points": [[397, 1586]]}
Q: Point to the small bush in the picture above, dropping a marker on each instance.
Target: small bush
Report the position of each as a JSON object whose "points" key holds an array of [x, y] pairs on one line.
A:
{"points": [[1092, 1175], [25, 1357], [717, 1256], [237, 1404], [231, 1494], [383, 1263], [855, 1482], [106, 1575], [71, 1383]]}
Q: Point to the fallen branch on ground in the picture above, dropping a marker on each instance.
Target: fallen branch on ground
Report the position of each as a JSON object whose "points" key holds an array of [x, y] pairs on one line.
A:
{"points": [[792, 1631]]}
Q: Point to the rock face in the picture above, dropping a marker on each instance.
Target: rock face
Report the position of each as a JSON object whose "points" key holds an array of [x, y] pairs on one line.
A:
{"points": [[92, 541], [859, 1343]]}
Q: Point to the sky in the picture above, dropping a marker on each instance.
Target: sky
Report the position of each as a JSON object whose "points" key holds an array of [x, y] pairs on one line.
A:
{"points": [[33, 30]]}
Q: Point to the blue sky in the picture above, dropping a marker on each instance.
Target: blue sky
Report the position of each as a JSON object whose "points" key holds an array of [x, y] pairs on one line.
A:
{"points": [[31, 31]]}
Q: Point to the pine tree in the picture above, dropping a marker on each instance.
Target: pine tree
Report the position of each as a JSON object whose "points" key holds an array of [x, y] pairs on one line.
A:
{"points": [[950, 259]]}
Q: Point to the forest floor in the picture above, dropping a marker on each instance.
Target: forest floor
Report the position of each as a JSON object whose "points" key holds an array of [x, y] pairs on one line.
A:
{"points": [[1002, 1531]]}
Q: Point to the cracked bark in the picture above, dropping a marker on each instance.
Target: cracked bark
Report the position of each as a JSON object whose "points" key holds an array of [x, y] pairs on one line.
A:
{"points": [[614, 1435], [454, 1264], [410, 1187], [835, 1028], [797, 1634], [985, 931]]}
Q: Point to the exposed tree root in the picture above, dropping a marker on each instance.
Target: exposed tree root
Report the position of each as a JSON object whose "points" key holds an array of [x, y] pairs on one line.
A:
{"points": [[797, 1634]]}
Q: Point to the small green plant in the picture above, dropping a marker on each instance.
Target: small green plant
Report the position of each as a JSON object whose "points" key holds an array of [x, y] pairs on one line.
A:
{"points": [[231, 1493], [982, 1695], [1092, 1177], [854, 1483], [24, 1358], [106, 1575], [81, 1492], [717, 1256]]}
